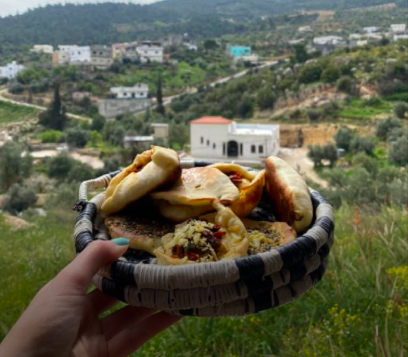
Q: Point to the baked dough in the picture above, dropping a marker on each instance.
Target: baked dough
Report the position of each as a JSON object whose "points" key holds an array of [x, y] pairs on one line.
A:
{"points": [[288, 194], [177, 247], [193, 193], [250, 185], [149, 171]]}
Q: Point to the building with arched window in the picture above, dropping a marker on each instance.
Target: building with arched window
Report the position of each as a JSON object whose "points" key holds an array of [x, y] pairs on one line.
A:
{"points": [[220, 139]]}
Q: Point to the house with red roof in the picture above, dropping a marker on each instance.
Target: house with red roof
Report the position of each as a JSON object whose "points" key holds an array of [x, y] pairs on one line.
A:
{"points": [[218, 139]]}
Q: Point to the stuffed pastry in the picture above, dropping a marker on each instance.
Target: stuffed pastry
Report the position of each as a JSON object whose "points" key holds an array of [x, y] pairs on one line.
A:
{"points": [[249, 183], [193, 193], [288, 194], [196, 241], [149, 171]]}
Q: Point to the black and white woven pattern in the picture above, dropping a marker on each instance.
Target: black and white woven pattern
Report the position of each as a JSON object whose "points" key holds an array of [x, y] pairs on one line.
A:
{"points": [[236, 287]]}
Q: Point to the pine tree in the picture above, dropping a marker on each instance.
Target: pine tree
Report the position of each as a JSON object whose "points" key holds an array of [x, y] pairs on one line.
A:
{"points": [[55, 117], [159, 96]]}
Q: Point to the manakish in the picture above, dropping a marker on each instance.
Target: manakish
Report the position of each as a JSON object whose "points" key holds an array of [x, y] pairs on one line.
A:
{"points": [[198, 241], [149, 171], [193, 193], [250, 186], [288, 194]]}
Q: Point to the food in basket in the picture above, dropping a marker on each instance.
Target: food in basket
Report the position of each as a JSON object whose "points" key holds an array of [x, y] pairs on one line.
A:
{"points": [[250, 186], [212, 206], [149, 171], [288, 194], [193, 193], [198, 241]]}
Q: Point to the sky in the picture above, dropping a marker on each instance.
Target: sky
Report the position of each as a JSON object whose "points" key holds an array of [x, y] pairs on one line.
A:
{"points": [[12, 7]]}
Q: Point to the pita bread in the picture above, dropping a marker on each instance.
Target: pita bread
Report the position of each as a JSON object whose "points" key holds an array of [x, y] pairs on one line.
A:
{"points": [[193, 241], [250, 187], [288, 194]]}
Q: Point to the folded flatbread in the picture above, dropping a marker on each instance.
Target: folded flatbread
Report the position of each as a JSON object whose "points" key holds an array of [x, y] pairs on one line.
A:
{"points": [[193, 193], [196, 241], [288, 194], [149, 171], [249, 183]]}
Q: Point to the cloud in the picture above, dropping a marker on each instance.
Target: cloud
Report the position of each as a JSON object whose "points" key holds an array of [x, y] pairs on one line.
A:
{"points": [[12, 7]]}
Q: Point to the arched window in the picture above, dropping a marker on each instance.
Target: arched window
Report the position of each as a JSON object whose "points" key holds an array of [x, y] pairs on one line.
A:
{"points": [[240, 149], [208, 142], [253, 149], [202, 140], [213, 145], [260, 149]]}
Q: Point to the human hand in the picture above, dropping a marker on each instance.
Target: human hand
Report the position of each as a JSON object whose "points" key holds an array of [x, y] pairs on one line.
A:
{"points": [[63, 320]]}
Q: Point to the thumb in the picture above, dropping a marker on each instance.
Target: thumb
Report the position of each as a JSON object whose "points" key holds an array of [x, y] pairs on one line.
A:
{"points": [[77, 276]]}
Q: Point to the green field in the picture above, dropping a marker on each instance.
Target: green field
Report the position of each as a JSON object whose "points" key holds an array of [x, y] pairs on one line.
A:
{"points": [[365, 290], [11, 112], [360, 109]]}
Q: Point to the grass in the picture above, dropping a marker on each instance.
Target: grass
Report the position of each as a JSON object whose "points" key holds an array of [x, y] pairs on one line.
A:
{"points": [[360, 109], [11, 113], [359, 309]]}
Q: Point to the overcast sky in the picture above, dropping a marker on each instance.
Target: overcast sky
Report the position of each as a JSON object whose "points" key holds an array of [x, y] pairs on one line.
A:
{"points": [[11, 7]]}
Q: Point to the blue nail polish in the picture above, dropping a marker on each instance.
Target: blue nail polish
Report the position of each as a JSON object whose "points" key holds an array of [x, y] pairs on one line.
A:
{"points": [[121, 241]]}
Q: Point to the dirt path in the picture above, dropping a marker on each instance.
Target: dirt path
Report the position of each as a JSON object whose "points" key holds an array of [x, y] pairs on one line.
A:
{"points": [[38, 107], [297, 158]]}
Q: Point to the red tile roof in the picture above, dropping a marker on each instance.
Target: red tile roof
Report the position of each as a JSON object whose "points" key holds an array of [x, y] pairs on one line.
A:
{"points": [[211, 120]]}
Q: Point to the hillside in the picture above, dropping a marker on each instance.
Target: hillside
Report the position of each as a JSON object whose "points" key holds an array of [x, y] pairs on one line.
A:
{"points": [[114, 22]]}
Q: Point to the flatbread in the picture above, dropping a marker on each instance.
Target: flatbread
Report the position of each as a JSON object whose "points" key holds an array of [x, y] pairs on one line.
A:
{"points": [[198, 187], [188, 236], [192, 195], [288, 194], [149, 171], [250, 187]]}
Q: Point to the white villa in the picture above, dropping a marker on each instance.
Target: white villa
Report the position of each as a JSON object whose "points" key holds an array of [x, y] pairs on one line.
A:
{"points": [[11, 70], [218, 139], [80, 55], [42, 49], [139, 91], [370, 29], [327, 40], [398, 28], [150, 51]]}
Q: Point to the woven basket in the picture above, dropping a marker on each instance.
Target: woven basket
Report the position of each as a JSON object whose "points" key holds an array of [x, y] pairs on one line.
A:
{"points": [[227, 288]]}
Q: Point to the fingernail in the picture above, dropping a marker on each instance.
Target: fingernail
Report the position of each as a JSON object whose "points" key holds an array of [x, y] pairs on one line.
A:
{"points": [[121, 241]]}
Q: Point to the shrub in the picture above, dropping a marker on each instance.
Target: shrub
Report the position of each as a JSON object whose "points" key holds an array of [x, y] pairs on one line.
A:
{"points": [[398, 152], [59, 166], [343, 138], [77, 137], [265, 99], [400, 109], [313, 114], [310, 73], [19, 198], [365, 144], [345, 84], [80, 172], [384, 127], [50, 136], [319, 153], [331, 74]]}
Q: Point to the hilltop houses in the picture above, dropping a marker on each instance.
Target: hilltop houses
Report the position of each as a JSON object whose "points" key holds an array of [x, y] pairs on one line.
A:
{"points": [[218, 138], [11, 70], [326, 44], [398, 28], [72, 54], [124, 100], [150, 51], [42, 49], [101, 57]]}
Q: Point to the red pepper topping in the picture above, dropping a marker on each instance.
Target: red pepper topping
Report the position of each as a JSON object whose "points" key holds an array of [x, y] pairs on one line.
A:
{"points": [[192, 256], [235, 177], [219, 234]]}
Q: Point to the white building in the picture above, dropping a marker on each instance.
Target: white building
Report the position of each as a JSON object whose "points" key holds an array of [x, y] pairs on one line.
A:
{"points": [[217, 138], [11, 70], [370, 29], [402, 36], [43, 49], [80, 55], [326, 40], [398, 28], [139, 91], [150, 51]]}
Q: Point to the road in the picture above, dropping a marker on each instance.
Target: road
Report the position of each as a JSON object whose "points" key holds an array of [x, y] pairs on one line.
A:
{"points": [[166, 101], [38, 107]]}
